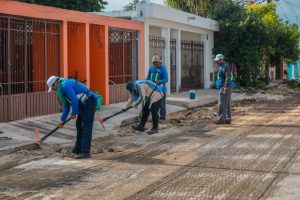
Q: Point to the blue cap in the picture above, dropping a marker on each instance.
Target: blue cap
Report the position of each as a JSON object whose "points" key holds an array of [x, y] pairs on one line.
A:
{"points": [[129, 86]]}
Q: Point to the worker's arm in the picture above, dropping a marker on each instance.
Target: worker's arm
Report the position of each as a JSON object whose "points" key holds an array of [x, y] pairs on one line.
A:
{"points": [[142, 94], [227, 74], [70, 93], [164, 75], [128, 104], [65, 112], [148, 75]]}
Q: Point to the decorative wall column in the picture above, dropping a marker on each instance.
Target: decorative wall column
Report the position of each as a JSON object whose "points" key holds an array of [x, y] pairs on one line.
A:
{"points": [[87, 53], [146, 39], [64, 48], [177, 36], [208, 40], [165, 33], [106, 70]]}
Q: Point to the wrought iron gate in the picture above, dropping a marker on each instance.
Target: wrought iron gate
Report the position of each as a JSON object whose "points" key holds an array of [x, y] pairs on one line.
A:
{"points": [[29, 53], [173, 64], [192, 59], [123, 62], [157, 46]]}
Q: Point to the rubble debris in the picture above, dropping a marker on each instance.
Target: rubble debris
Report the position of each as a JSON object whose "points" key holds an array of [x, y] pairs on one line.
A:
{"points": [[116, 149]]}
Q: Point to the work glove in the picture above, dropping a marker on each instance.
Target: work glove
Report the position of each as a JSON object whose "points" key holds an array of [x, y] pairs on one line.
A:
{"points": [[60, 124], [157, 82]]}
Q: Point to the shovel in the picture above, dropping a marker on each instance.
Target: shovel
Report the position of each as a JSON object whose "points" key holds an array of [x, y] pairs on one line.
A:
{"points": [[113, 115], [40, 139]]}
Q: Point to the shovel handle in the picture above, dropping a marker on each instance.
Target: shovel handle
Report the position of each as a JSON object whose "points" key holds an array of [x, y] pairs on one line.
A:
{"points": [[106, 118], [57, 127]]}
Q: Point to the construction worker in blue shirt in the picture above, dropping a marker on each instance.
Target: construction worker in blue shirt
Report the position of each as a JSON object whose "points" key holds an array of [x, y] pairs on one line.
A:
{"points": [[149, 94], [159, 75], [83, 102], [223, 83]]}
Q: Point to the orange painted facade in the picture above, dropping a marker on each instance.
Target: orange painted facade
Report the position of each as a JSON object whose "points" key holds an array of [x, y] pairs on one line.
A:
{"points": [[83, 41]]}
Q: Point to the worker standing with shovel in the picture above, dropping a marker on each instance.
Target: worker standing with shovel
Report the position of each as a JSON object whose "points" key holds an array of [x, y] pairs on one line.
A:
{"points": [[83, 102], [150, 94]]}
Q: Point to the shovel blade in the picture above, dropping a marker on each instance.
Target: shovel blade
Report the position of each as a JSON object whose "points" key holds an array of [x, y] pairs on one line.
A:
{"points": [[37, 136]]}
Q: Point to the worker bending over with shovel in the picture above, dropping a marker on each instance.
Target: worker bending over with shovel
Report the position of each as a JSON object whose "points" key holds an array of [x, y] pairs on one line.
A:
{"points": [[83, 102], [148, 93]]}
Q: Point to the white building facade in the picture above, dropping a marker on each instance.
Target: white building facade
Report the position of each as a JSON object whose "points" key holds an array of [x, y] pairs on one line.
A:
{"points": [[183, 40]]}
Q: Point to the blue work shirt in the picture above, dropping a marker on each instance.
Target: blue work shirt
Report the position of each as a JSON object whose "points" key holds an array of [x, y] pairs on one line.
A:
{"points": [[158, 74], [152, 85], [73, 91], [224, 74]]}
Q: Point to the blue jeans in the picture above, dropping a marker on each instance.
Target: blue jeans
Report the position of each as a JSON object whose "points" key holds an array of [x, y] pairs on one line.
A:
{"points": [[84, 125], [162, 111]]}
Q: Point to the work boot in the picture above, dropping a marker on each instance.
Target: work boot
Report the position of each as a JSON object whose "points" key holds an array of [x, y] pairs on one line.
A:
{"points": [[138, 127], [75, 151], [228, 122], [162, 121], [83, 156], [218, 122], [152, 131]]}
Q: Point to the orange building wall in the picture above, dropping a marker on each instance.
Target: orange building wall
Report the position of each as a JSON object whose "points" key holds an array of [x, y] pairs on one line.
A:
{"points": [[97, 60], [76, 50], [38, 59], [77, 47]]}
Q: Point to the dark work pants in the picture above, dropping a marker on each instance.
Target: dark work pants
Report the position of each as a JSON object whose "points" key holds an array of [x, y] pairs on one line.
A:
{"points": [[162, 106], [84, 125], [154, 112], [224, 106]]}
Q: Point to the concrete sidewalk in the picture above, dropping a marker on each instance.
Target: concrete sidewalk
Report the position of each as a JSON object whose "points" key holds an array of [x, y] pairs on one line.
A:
{"points": [[203, 97], [17, 134]]}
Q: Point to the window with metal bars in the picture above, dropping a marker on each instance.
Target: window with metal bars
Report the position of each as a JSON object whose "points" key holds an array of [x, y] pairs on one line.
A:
{"points": [[29, 54]]}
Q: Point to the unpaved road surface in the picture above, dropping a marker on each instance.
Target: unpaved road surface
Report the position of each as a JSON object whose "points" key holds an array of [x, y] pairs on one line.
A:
{"points": [[191, 158]]}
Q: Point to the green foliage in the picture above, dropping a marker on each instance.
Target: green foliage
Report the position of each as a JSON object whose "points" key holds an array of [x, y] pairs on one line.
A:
{"points": [[241, 38], [250, 35], [260, 85], [132, 5], [293, 84], [198, 7], [80, 5]]}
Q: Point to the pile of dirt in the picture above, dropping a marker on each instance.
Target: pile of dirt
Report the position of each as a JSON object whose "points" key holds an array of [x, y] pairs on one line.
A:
{"points": [[202, 115], [242, 103]]}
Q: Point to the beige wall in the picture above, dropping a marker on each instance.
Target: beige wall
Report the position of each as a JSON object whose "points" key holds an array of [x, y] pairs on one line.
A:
{"points": [[155, 31], [191, 36]]}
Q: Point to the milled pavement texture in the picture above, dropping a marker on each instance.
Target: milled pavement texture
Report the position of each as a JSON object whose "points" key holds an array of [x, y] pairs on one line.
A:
{"points": [[257, 157]]}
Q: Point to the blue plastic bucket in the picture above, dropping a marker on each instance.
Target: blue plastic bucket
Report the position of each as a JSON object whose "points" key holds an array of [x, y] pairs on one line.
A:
{"points": [[192, 94]]}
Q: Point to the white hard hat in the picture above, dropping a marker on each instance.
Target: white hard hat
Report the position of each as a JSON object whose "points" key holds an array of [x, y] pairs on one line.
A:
{"points": [[219, 57], [156, 58], [51, 81]]}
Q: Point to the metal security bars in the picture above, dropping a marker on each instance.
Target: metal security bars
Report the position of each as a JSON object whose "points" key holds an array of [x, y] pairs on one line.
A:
{"points": [[173, 64], [123, 62], [29, 54], [192, 62], [157, 46]]}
